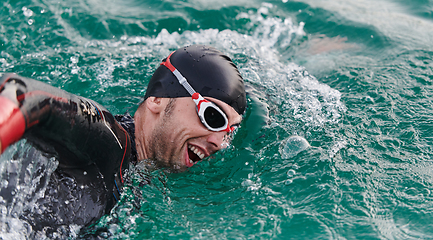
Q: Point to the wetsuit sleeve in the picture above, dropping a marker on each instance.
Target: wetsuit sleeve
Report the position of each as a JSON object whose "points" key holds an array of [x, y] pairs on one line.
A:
{"points": [[78, 130]]}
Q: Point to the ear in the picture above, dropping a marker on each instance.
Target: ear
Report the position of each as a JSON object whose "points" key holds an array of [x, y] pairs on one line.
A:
{"points": [[156, 104]]}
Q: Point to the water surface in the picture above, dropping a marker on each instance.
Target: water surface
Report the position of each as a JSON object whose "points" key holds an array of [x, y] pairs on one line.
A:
{"points": [[335, 144]]}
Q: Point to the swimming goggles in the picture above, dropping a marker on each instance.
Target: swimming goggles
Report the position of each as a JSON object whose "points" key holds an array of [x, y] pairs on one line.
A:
{"points": [[212, 117]]}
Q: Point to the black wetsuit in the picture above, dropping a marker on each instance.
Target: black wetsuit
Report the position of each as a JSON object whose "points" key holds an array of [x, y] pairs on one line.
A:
{"points": [[93, 149]]}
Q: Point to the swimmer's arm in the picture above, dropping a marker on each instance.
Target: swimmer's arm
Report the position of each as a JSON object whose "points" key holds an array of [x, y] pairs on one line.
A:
{"points": [[77, 129]]}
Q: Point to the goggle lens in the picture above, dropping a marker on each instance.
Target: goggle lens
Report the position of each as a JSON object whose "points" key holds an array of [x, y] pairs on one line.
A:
{"points": [[214, 118]]}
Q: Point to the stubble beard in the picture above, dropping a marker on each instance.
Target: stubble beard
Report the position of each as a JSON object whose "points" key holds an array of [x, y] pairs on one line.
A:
{"points": [[164, 156]]}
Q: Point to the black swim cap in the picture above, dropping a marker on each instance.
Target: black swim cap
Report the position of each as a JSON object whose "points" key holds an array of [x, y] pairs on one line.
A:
{"points": [[208, 71]]}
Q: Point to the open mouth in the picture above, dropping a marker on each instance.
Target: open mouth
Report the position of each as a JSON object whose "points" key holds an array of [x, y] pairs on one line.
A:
{"points": [[194, 154]]}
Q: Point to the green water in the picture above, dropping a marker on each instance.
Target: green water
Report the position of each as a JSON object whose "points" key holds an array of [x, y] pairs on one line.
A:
{"points": [[336, 142]]}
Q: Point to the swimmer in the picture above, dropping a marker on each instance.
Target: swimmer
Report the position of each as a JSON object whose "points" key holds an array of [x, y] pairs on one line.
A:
{"points": [[193, 103]]}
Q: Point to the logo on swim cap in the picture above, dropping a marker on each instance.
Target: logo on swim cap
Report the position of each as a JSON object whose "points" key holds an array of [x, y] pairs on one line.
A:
{"points": [[210, 73]]}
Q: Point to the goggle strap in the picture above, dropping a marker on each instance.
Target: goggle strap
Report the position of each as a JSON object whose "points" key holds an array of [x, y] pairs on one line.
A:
{"points": [[183, 82], [197, 98]]}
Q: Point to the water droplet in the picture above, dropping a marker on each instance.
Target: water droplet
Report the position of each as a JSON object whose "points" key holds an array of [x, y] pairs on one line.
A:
{"points": [[293, 146], [247, 183], [85, 173], [27, 12], [291, 173], [4, 183], [30, 21], [74, 60], [288, 181]]}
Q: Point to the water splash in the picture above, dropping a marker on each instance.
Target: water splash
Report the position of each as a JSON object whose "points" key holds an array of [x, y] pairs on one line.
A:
{"points": [[293, 146], [24, 183], [119, 66]]}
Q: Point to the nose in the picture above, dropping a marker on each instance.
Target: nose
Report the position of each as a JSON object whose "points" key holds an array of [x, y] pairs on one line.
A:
{"points": [[218, 140]]}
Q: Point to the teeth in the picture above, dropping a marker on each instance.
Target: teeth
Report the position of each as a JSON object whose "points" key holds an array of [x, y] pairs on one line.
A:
{"points": [[197, 152]]}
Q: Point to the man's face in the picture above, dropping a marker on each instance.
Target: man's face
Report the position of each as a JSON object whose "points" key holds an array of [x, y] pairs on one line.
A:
{"points": [[179, 139]]}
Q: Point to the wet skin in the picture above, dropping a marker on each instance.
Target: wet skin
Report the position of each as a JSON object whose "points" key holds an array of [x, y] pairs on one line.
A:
{"points": [[172, 135]]}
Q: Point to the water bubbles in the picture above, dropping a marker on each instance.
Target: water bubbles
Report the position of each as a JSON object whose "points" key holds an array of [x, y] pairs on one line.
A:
{"points": [[368, 100], [74, 67], [30, 21], [337, 147], [74, 59], [56, 73], [253, 183], [27, 12], [247, 183], [4, 183], [291, 173], [293, 146], [251, 186]]}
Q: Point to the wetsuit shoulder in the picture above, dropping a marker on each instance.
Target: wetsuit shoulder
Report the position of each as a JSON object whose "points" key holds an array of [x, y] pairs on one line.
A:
{"points": [[81, 133]]}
